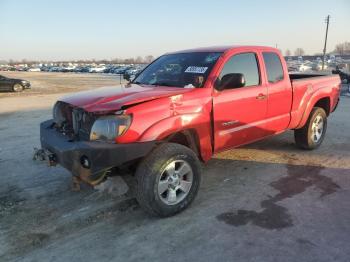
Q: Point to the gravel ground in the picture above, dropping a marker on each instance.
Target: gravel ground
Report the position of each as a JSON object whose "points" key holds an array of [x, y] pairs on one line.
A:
{"points": [[264, 202]]}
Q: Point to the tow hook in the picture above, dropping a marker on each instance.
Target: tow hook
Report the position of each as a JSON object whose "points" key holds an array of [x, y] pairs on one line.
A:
{"points": [[42, 155]]}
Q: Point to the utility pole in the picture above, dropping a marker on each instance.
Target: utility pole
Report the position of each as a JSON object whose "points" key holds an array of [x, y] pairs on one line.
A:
{"points": [[325, 42]]}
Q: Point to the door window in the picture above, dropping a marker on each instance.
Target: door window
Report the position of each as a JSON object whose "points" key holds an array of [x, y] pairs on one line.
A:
{"points": [[245, 64], [273, 67]]}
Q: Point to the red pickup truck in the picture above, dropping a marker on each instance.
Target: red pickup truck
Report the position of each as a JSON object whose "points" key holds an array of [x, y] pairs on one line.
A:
{"points": [[180, 110]]}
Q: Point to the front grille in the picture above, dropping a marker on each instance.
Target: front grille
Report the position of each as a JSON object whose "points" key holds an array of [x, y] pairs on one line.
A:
{"points": [[72, 121]]}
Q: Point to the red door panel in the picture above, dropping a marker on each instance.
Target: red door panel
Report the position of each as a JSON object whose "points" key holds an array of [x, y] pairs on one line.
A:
{"points": [[280, 92], [239, 113], [239, 116]]}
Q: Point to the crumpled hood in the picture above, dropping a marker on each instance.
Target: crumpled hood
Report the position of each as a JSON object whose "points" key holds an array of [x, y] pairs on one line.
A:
{"points": [[114, 97]]}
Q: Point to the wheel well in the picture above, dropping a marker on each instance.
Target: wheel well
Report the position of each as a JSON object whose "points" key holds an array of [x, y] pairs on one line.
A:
{"points": [[325, 104], [188, 138]]}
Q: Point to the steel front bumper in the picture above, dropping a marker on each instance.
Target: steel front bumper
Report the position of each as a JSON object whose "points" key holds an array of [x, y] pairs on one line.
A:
{"points": [[101, 156]]}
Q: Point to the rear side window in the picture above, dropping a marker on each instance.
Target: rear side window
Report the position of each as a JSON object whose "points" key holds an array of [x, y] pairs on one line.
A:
{"points": [[273, 67], [245, 64]]}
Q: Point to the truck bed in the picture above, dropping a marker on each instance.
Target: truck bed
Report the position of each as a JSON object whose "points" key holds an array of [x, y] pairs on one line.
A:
{"points": [[296, 76], [310, 87]]}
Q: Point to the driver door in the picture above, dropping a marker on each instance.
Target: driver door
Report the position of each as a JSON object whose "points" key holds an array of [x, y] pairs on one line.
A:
{"points": [[239, 113], [5, 83]]}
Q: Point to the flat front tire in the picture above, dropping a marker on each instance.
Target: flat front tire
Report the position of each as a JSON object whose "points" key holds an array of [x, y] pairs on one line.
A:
{"points": [[312, 134], [168, 180]]}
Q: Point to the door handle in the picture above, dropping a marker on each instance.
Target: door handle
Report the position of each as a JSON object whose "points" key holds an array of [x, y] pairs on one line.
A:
{"points": [[261, 97]]}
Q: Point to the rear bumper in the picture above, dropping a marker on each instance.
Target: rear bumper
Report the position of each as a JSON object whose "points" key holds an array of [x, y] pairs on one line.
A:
{"points": [[101, 156]]}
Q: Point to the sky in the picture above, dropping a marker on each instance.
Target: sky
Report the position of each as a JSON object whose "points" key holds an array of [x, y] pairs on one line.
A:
{"points": [[106, 29]]}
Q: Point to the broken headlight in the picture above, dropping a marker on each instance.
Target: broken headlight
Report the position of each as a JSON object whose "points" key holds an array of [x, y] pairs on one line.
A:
{"points": [[57, 113], [108, 128]]}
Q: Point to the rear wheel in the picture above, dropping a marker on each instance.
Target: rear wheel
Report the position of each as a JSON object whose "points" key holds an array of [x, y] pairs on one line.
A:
{"points": [[312, 134], [17, 88], [168, 180]]}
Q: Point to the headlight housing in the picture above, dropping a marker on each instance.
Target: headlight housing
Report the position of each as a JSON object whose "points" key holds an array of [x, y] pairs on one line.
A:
{"points": [[108, 128], [57, 114]]}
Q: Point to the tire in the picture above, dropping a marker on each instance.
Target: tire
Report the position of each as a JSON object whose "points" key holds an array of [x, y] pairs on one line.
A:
{"points": [[17, 88], [305, 137], [154, 174]]}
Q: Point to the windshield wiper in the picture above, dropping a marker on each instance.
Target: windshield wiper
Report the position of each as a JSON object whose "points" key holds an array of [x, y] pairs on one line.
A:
{"points": [[162, 84]]}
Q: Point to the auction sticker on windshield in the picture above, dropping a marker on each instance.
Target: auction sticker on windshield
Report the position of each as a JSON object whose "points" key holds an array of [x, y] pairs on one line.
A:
{"points": [[196, 69]]}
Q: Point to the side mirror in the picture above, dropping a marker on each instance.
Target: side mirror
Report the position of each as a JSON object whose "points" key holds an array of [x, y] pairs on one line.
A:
{"points": [[230, 81], [131, 77], [127, 77]]}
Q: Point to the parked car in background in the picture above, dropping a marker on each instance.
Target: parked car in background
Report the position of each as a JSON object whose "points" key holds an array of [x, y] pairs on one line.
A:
{"points": [[97, 69], [67, 69], [318, 66], [81, 69], [131, 73], [35, 69], [12, 84], [122, 70], [304, 67], [114, 70], [110, 69], [44, 69]]}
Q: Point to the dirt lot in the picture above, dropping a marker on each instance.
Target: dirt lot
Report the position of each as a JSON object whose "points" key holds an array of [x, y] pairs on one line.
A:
{"points": [[49, 83], [265, 202]]}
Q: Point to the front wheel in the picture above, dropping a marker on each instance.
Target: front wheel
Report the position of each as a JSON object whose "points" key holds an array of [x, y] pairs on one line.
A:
{"points": [[17, 88], [312, 134], [168, 180]]}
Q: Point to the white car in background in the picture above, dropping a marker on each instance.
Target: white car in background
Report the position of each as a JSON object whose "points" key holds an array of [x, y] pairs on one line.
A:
{"points": [[304, 67], [69, 68], [300, 59], [97, 69], [319, 67], [35, 69]]}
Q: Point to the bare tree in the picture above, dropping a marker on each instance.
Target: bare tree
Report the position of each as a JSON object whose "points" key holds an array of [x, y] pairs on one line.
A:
{"points": [[343, 48], [149, 59], [139, 60], [116, 60], [129, 61], [299, 51], [288, 52]]}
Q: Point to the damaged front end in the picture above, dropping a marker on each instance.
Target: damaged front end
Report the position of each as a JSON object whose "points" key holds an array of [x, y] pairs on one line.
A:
{"points": [[68, 140]]}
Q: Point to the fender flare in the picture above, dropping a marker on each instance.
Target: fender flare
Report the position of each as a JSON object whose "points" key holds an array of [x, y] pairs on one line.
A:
{"points": [[317, 96], [161, 130]]}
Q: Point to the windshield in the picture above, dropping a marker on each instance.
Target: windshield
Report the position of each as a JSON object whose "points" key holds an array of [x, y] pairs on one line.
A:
{"points": [[187, 70]]}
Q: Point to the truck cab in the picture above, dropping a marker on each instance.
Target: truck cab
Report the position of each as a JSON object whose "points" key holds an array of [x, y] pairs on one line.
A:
{"points": [[180, 110]]}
